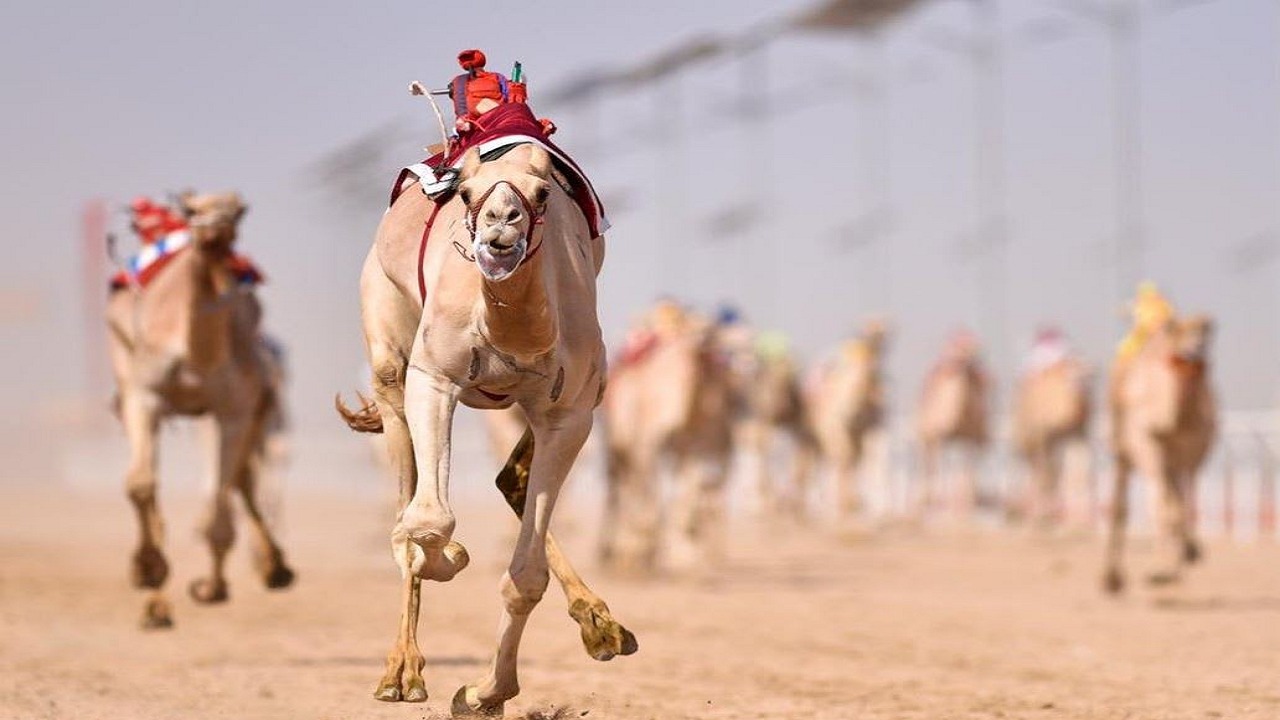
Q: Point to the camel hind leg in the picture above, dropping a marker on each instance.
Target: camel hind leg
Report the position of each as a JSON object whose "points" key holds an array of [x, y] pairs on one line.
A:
{"points": [[602, 636]]}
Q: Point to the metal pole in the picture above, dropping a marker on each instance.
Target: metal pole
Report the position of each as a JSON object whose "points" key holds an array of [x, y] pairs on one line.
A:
{"points": [[93, 221], [1125, 27], [668, 144], [990, 181], [875, 134]]}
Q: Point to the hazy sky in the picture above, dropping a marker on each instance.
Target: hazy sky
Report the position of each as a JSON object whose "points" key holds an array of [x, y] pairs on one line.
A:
{"points": [[116, 99]]}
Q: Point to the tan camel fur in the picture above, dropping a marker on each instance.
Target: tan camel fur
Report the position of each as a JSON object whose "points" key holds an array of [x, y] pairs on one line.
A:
{"points": [[1050, 419], [1164, 419], [510, 317], [188, 345], [669, 407], [953, 411], [847, 404]]}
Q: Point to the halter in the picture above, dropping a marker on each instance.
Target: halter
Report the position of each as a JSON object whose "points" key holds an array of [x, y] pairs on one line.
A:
{"points": [[473, 214]]}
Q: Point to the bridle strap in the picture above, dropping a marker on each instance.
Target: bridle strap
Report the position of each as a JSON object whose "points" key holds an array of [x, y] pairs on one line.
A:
{"points": [[473, 214]]}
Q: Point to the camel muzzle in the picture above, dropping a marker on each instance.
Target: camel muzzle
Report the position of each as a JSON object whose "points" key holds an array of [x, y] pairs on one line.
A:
{"points": [[498, 262]]}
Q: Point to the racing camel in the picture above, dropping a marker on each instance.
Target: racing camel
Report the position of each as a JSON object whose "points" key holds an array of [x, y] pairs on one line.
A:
{"points": [[1164, 420], [768, 402], [953, 411], [669, 399], [847, 403], [501, 310], [1051, 420], [187, 343]]}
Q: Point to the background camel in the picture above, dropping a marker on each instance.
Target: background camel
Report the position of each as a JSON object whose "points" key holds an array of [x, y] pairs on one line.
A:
{"points": [[669, 403], [1164, 421], [1050, 432], [188, 343], [846, 405], [768, 403], [509, 317], [953, 412]]}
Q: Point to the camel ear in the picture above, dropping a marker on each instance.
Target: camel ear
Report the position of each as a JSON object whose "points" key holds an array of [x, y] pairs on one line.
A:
{"points": [[539, 162], [1205, 323], [241, 209], [470, 165], [186, 205]]}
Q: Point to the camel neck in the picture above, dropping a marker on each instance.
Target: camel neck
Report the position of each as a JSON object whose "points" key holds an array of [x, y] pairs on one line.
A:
{"points": [[206, 314], [518, 317]]}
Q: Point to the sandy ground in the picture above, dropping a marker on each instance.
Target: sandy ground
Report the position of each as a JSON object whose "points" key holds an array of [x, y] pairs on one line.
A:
{"points": [[799, 625]]}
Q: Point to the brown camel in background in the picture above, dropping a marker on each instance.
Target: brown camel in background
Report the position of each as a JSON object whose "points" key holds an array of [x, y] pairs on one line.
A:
{"points": [[188, 344], [953, 411], [846, 405], [509, 317], [1051, 416], [1164, 422], [668, 400]]}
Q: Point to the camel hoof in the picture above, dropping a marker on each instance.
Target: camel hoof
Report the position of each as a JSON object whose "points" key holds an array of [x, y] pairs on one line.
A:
{"points": [[150, 569], [387, 692], [156, 615], [1113, 582], [280, 577], [208, 592], [603, 637], [466, 704], [415, 691], [445, 563], [1191, 553], [1160, 579]]}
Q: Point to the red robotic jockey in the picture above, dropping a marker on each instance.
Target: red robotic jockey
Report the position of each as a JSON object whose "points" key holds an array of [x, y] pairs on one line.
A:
{"points": [[478, 91], [153, 221]]}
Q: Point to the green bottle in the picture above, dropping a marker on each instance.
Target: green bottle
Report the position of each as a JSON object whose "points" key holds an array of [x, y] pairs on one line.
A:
{"points": [[517, 73]]}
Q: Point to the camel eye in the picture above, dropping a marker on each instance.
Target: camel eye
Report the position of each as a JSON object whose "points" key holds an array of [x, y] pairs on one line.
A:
{"points": [[541, 194], [465, 194]]}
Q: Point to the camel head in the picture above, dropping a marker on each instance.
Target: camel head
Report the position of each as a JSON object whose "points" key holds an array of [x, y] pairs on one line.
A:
{"points": [[505, 200], [213, 219], [1190, 336], [875, 335]]}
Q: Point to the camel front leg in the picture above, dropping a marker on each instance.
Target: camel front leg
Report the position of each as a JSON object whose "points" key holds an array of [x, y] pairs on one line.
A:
{"points": [[522, 586], [848, 499], [804, 457], [419, 447], [235, 437], [757, 437], [602, 636], [926, 491], [634, 513], [1118, 518], [1173, 535], [269, 558], [140, 412]]}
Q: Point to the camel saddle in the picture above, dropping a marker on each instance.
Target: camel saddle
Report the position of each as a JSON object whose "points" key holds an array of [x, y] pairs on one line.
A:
{"points": [[147, 264]]}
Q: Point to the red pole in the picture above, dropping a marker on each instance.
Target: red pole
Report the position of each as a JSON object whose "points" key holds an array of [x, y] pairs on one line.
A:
{"points": [[93, 289]]}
